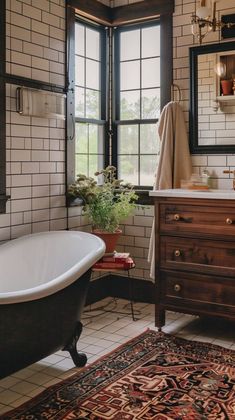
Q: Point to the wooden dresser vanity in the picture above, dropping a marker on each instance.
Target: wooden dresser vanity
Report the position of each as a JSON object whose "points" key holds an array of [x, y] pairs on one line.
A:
{"points": [[194, 253]]}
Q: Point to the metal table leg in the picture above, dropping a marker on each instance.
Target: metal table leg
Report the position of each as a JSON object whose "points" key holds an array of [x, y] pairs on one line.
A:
{"points": [[131, 296]]}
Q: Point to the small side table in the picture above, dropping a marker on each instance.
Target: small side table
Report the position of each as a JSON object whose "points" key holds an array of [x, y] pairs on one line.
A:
{"points": [[120, 269]]}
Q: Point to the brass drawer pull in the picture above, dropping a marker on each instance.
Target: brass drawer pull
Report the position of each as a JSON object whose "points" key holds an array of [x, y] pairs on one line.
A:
{"points": [[229, 221], [177, 288], [177, 252], [176, 217]]}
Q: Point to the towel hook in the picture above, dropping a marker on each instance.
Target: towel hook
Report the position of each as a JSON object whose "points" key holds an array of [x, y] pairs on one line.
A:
{"points": [[177, 88]]}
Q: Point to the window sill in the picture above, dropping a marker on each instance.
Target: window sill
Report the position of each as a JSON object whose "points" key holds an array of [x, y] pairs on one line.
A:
{"points": [[143, 199], [74, 201]]}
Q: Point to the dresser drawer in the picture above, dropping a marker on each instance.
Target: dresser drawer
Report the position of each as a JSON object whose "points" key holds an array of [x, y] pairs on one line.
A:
{"points": [[197, 219], [198, 255], [197, 289]]}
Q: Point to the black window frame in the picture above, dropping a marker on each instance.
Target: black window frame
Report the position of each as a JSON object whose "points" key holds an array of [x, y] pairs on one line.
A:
{"points": [[102, 121], [133, 14], [117, 121]]}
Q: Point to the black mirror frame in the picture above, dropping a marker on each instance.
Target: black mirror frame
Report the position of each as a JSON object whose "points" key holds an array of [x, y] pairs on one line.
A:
{"points": [[194, 52]]}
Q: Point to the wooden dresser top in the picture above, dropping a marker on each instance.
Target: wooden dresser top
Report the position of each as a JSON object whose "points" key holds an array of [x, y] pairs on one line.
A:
{"points": [[183, 193]]}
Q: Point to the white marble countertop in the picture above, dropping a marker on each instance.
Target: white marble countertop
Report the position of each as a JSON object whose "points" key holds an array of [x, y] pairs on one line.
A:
{"points": [[184, 193]]}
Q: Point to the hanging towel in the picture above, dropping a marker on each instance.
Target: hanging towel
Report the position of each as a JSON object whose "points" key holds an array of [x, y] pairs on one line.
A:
{"points": [[174, 161]]}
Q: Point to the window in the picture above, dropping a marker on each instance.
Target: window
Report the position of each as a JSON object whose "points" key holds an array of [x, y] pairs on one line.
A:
{"points": [[137, 62], [118, 81], [89, 98]]}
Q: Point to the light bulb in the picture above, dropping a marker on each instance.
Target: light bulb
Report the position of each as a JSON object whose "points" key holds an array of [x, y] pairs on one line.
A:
{"points": [[203, 12], [220, 69]]}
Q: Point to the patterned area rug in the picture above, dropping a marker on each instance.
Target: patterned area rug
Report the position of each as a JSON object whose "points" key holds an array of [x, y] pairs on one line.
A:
{"points": [[153, 376]]}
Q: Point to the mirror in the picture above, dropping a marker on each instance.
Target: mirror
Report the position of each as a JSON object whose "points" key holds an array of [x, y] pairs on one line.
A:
{"points": [[212, 98]]}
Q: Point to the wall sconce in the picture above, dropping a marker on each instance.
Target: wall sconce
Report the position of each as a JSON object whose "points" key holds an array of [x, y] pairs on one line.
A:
{"points": [[204, 21]]}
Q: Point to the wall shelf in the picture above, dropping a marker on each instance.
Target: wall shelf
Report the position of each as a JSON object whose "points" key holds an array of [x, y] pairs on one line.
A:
{"points": [[226, 98], [221, 101]]}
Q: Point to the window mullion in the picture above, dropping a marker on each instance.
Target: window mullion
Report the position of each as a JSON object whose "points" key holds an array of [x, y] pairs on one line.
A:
{"points": [[114, 92], [110, 97]]}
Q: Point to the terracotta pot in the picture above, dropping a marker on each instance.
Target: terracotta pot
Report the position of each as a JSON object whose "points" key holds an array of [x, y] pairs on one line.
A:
{"points": [[227, 87], [110, 238]]}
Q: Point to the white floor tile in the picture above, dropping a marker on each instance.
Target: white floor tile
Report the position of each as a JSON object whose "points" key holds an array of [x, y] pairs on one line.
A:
{"points": [[8, 396]]}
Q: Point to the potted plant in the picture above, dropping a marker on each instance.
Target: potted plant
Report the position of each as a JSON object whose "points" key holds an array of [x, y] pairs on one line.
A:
{"points": [[227, 86], [106, 205]]}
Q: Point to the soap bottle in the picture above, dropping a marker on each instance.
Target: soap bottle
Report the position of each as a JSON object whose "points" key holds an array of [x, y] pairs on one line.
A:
{"points": [[206, 179]]}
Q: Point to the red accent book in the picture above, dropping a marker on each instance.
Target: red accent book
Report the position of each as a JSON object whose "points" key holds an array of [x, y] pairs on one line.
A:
{"points": [[110, 265], [116, 257]]}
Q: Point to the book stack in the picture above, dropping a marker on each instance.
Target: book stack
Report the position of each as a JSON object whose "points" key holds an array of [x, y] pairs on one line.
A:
{"points": [[116, 261]]}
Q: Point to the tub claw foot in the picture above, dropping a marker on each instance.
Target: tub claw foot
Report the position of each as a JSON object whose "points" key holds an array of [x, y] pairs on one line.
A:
{"points": [[79, 359]]}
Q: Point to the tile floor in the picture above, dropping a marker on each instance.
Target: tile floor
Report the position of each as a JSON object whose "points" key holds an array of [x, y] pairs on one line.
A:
{"points": [[102, 333]]}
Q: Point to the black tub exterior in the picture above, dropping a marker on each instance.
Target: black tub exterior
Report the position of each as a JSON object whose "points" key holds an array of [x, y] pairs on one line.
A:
{"points": [[30, 331]]}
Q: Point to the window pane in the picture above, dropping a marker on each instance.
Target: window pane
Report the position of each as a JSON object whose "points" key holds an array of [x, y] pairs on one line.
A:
{"points": [[92, 43], [151, 72], [93, 138], [128, 168], [89, 148], [81, 138], [148, 165], [79, 102], [151, 41], [130, 75], [92, 74], [96, 136], [149, 139], [81, 165], [79, 71], [89, 142], [96, 163], [92, 104], [79, 39], [128, 139], [130, 45], [130, 105], [150, 103]]}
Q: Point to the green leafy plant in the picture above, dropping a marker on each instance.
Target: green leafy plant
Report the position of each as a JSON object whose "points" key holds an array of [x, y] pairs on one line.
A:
{"points": [[108, 204]]}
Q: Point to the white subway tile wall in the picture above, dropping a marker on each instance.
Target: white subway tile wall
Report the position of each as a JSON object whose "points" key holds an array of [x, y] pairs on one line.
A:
{"points": [[36, 146], [36, 179], [35, 39]]}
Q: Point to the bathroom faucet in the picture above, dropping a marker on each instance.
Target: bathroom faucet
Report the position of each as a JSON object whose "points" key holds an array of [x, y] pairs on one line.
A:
{"points": [[227, 171]]}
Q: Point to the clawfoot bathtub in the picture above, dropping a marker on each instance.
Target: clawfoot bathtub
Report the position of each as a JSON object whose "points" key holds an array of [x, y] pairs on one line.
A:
{"points": [[44, 279]]}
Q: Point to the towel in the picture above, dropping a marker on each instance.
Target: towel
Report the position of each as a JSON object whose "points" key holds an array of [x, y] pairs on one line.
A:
{"points": [[174, 161]]}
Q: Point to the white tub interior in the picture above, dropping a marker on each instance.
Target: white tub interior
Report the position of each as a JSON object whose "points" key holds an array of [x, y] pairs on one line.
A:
{"points": [[36, 265]]}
